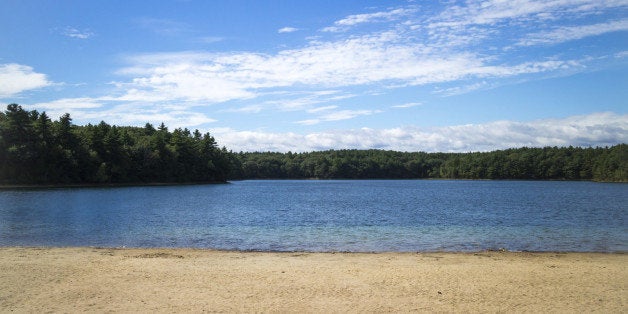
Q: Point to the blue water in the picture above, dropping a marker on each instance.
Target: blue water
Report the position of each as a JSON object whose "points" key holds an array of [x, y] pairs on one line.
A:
{"points": [[388, 215]]}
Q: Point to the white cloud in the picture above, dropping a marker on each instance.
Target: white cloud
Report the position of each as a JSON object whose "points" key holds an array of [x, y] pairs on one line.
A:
{"points": [[17, 78], [332, 29], [138, 116], [120, 112], [569, 33], [287, 30], [309, 122], [303, 100], [491, 12], [355, 19], [622, 54], [256, 141], [208, 77], [596, 129], [346, 114], [450, 47], [59, 107], [184, 81], [462, 89], [294, 101], [477, 21], [335, 115], [319, 109], [407, 105], [77, 33]]}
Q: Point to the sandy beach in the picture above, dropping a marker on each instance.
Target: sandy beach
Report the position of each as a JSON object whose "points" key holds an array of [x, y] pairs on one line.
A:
{"points": [[177, 280]]}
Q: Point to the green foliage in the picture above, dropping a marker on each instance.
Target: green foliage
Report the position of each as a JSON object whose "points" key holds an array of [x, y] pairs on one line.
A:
{"points": [[549, 163], [36, 150]]}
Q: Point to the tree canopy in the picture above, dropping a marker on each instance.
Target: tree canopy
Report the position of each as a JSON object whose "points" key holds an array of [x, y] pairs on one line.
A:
{"points": [[36, 150], [548, 163]]}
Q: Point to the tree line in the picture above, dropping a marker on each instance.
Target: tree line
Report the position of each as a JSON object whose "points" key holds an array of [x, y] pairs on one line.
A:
{"points": [[36, 150], [549, 163]]}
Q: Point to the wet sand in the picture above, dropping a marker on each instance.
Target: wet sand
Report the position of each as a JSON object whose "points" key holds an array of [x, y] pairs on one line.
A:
{"points": [[177, 280]]}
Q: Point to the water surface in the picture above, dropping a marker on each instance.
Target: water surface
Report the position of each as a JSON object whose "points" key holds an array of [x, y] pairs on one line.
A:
{"points": [[326, 215]]}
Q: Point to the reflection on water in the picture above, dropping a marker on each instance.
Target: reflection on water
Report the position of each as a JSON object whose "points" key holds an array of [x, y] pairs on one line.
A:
{"points": [[387, 215]]}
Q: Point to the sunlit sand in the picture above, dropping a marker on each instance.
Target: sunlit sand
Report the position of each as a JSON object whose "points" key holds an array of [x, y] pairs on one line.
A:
{"points": [[176, 280]]}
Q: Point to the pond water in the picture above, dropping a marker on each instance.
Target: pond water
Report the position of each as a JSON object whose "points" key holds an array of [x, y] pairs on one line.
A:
{"points": [[325, 215]]}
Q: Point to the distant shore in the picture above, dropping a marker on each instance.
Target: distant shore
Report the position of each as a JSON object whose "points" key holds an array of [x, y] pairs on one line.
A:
{"points": [[176, 280], [140, 184], [101, 185]]}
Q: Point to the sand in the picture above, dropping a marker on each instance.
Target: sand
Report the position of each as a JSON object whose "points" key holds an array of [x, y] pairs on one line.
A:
{"points": [[178, 280]]}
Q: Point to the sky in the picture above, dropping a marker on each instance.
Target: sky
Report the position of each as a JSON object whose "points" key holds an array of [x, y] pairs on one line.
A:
{"points": [[303, 75]]}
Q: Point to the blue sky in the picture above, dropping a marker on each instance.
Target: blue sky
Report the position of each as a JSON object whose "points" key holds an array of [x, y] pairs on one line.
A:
{"points": [[313, 75]]}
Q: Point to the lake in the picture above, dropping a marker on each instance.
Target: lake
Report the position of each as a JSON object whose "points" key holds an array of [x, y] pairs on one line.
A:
{"points": [[325, 215]]}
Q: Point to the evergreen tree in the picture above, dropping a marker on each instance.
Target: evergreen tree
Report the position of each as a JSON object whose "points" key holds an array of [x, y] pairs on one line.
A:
{"points": [[36, 150]]}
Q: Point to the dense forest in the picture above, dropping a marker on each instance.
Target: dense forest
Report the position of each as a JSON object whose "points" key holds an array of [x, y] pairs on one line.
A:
{"points": [[549, 163], [36, 150]]}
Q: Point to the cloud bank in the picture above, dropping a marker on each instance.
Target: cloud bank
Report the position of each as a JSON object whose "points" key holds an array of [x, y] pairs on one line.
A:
{"points": [[404, 47], [568, 33], [598, 129]]}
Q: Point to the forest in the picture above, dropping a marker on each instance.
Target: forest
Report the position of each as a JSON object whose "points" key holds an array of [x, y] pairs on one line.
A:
{"points": [[34, 150], [548, 163]]}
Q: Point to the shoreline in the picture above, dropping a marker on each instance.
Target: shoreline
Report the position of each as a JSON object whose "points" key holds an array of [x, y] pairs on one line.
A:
{"points": [[209, 249], [71, 279], [150, 184], [101, 185]]}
